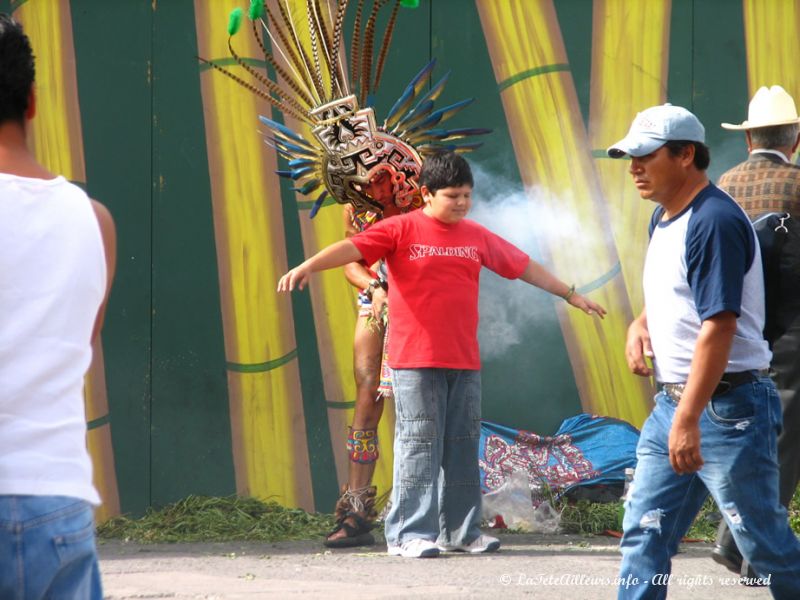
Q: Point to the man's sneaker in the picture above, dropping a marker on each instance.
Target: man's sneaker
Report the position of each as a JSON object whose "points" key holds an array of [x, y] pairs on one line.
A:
{"points": [[483, 543], [416, 548]]}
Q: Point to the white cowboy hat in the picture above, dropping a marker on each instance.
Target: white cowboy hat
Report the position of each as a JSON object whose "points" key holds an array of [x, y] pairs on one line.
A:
{"points": [[769, 107]]}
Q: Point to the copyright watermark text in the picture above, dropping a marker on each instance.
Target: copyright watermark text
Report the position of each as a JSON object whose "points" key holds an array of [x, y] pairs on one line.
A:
{"points": [[630, 581]]}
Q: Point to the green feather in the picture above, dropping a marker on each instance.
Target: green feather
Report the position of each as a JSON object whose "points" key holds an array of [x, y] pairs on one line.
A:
{"points": [[256, 9], [409, 3], [234, 21]]}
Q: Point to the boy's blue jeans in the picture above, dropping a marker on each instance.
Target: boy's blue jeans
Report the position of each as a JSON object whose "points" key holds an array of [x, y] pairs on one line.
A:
{"points": [[738, 444], [436, 494], [47, 549]]}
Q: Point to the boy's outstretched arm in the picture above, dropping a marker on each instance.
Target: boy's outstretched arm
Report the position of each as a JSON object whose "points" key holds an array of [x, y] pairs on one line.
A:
{"points": [[335, 255], [537, 275]]}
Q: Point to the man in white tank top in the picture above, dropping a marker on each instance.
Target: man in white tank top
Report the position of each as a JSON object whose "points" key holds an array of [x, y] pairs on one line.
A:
{"points": [[717, 414], [57, 257]]}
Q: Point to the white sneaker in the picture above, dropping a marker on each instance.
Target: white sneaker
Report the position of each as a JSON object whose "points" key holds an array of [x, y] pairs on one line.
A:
{"points": [[483, 543], [416, 548]]}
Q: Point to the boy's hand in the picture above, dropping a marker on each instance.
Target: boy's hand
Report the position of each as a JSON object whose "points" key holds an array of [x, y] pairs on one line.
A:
{"points": [[586, 305], [297, 277]]}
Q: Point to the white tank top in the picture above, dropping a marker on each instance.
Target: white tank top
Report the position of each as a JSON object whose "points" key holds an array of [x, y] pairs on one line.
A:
{"points": [[52, 282]]}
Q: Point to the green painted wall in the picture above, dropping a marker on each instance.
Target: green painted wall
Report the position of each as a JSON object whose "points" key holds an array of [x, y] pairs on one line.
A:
{"points": [[146, 159], [115, 93]]}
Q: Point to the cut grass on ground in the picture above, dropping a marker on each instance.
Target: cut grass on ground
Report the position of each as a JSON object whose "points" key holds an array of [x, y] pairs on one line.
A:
{"points": [[214, 519]]}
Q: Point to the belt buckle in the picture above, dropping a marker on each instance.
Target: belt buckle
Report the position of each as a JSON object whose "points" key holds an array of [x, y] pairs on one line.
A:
{"points": [[674, 390]]}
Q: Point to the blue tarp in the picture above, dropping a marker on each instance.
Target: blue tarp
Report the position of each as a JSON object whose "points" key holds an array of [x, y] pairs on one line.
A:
{"points": [[586, 450]]}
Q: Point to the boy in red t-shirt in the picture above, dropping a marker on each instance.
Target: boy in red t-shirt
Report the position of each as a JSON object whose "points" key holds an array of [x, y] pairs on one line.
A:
{"points": [[434, 258]]}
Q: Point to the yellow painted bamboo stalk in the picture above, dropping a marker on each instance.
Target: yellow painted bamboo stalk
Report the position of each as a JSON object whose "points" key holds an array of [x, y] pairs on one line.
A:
{"points": [[554, 159], [626, 78], [98, 439], [267, 418], [772, 44], [333, 301], [56, 138]]}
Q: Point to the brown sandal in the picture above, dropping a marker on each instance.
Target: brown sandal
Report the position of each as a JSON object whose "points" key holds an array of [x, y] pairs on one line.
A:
{"points": [[358, 535], [355, 514]]}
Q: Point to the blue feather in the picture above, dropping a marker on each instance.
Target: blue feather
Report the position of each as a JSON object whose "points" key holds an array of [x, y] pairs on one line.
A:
{"points": [[283, 129], [298, 173], [412, 91], [308, 187], [317, 204], [442, 113], [301, 162]]}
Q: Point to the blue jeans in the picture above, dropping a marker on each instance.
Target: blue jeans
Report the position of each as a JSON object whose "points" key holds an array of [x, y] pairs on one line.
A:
{"points": [[436, 494], [738, 443], [47, 549]]}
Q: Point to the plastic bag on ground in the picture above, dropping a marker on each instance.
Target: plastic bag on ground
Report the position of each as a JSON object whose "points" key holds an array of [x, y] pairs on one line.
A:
{"points": [[513, 502]]}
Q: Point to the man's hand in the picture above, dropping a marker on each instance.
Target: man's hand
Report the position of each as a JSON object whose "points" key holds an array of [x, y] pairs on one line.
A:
{"points": [[684, 445], [297, 277], [586, 305], [379, 303], [638, 348]]}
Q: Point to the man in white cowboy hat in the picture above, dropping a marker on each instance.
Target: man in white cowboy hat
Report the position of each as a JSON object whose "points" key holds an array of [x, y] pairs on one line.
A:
{"points": [[768, 182], [716, 418]]}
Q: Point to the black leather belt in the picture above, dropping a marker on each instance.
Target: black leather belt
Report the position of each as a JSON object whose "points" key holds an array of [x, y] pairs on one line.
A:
{"points": [[727, 382]]}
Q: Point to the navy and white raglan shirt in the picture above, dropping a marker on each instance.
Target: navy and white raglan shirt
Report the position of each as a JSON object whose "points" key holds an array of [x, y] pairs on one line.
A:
{"points": [[703, 261]]}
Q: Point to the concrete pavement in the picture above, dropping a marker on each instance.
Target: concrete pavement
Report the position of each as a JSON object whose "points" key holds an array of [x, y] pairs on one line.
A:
{"points": [[528, 566]]}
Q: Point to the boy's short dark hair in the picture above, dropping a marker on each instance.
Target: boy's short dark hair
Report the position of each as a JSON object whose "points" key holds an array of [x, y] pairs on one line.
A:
{"points": [[17, 71], [445, 169]]}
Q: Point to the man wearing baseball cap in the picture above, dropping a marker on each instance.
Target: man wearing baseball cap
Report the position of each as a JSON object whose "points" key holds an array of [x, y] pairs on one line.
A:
{"points": [[767, 182], [716, 416]]}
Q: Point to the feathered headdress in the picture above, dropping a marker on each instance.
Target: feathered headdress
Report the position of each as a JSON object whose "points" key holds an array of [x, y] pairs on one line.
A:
{"points": [[353, 158]]}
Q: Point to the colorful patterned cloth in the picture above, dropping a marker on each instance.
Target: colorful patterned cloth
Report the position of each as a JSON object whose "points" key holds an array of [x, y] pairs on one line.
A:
{"points": [[586, 450], [385, 384], [362, 445]]}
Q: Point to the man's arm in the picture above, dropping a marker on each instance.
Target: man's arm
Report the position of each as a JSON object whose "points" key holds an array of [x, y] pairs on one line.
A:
{"points": [[708, 365], [109, 234], [638, 347], [335, 255], [537, 275]]}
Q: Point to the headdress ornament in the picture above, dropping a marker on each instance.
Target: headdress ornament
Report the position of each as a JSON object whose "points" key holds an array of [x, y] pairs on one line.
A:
{"points": [[349, 155]]}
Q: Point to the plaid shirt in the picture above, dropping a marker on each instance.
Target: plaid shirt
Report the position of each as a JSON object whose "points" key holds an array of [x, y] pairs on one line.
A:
{"points": [[764, 183]]}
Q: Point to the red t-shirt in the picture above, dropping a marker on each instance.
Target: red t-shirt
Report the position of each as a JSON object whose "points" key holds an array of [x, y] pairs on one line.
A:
{"points": [[434, 270]]}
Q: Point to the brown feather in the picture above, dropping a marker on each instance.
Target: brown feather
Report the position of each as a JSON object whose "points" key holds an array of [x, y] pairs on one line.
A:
{"points": [[280, 70], [387, 40], [276, 103], [355, 47], [336, 48], [265, 81]]}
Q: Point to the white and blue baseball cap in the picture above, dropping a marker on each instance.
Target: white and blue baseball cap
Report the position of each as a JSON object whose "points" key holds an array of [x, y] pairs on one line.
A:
{"points": [[654, 127]]}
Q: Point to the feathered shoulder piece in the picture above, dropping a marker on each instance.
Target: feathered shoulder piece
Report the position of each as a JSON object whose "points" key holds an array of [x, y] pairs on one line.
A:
{"points": [[347, 155]]}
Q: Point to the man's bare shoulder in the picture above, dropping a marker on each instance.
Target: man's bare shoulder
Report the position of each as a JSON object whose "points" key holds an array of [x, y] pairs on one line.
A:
{"points": [[103, 214], [106, 222]]}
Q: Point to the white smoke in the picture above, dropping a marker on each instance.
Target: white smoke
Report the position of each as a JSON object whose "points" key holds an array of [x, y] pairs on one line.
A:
{"points": [[512, 311]]}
